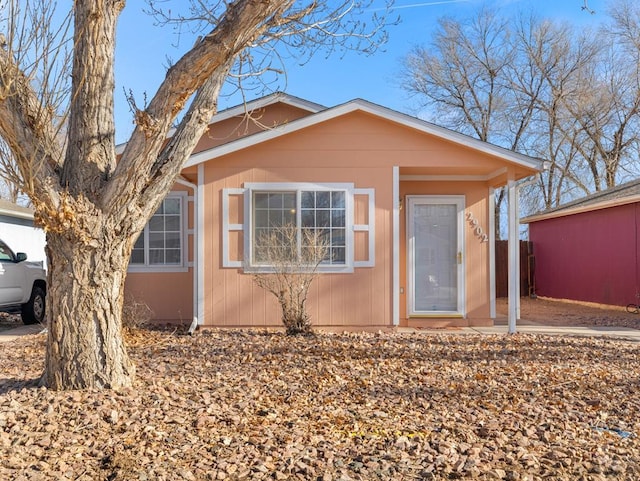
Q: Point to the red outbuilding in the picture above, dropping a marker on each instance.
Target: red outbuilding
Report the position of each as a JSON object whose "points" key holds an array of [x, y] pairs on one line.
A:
{"points": [[588, 250]]}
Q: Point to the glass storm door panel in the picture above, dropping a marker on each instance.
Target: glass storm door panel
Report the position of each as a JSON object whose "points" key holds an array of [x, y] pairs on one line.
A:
{"points": [[435, 255]]}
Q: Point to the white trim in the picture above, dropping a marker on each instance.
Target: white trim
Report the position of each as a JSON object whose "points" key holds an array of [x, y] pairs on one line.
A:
{"points": [[227, 228], [492, 253], [514, 257], [562, 211], [194, 233], [395, 246], [370, 227], [200, 210], [372, 109], [459, 201], [139, 268], [285, 186], [250, 187]]}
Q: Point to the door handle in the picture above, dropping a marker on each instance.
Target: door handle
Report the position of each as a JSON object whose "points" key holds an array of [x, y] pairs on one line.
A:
{"points": [[459, 257]]}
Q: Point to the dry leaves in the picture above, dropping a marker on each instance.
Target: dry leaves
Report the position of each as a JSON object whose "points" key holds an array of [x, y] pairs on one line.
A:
{"points": [[229, 405]]}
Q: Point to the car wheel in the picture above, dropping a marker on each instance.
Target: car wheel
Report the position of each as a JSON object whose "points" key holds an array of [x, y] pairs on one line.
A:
{"points": [[33, 310]]}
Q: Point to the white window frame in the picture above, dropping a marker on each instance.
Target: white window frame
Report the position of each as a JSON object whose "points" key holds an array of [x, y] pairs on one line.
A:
{"points": [[298, 187], [182, 267]]}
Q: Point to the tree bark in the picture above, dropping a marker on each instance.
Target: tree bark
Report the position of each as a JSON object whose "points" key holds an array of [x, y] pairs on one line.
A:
{"points": [[86, 279]]}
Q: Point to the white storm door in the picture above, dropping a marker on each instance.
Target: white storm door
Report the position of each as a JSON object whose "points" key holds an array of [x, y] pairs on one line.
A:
{"points": [[435, 253]]}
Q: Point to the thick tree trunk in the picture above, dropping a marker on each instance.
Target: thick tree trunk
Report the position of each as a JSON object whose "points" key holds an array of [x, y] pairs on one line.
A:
{"points": [[85, 345]]}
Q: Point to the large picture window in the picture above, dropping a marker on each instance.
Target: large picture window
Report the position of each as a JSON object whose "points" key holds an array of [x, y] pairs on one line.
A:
{"points": [[338, 217], [161, 242], [319, 211]]}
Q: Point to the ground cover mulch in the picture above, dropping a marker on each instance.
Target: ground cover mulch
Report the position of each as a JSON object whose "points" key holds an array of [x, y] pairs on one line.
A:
{"points": [[259, 405]]}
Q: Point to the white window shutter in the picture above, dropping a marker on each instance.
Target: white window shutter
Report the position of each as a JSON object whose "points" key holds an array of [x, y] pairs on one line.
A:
{"points": [[228, 227], [369, 228]]}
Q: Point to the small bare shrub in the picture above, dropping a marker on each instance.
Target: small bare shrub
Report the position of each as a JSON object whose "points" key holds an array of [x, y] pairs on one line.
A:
{"points": [[292, 256], [135, 313]]}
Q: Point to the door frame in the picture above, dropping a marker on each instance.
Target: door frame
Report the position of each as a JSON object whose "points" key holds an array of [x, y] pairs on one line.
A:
{"points": [[459, 201]]}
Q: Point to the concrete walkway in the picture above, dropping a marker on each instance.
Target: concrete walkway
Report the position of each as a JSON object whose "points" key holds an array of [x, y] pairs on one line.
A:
{"points": [[601, 331], [16, 332]]}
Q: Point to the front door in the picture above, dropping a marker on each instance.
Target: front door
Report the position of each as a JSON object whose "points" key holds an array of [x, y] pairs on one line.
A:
{"points": [[435, 255]]}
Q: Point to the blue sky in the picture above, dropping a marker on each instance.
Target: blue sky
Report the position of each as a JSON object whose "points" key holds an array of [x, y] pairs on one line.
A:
{"points": [[142, 51]]}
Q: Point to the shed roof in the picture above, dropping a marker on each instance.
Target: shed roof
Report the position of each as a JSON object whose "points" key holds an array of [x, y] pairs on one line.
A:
{"points": [[626, 193]]}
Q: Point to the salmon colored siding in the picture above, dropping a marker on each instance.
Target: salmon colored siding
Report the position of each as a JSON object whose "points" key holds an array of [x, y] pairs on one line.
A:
{"points": [[335, 300], [234, 128], [357, 147], [168, 295]]}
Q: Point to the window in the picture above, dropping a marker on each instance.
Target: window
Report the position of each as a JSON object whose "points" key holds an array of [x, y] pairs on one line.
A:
{"points": [[6, 254], [161, 242], [344, 215], [320, 210]]}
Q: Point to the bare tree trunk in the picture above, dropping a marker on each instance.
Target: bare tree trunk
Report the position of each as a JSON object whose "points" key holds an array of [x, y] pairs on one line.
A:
{"points": [[85, 345]]}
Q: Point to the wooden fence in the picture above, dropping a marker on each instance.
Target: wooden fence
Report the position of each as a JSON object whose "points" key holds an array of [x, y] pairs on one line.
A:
{"points": [[527, 268]]}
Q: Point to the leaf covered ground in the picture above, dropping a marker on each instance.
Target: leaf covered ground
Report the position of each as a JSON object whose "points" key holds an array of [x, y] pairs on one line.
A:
{"points": [[260, 405]]}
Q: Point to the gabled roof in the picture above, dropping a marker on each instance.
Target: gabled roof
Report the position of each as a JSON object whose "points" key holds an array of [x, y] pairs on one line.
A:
{"points": [[276, 97], [626, 193], [361, 106]]}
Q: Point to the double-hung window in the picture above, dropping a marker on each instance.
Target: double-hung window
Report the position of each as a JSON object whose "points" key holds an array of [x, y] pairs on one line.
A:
{"points": [[320, 210], [161, 243]]}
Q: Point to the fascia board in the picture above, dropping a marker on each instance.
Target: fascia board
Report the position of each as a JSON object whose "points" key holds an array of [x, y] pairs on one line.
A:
{"points": [[581, 209]]}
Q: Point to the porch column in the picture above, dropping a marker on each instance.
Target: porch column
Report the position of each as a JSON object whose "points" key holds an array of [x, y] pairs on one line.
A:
{"points": [[514, 253], [492, 253], [396, 244], [200, 244]]}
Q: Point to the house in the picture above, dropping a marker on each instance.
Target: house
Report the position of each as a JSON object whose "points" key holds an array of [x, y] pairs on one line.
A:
{"points": [[408, 206], [17, 229], [588, 249]]}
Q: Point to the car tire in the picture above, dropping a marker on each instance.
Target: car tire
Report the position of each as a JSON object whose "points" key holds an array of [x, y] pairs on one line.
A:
{"points": [[33, 311]]}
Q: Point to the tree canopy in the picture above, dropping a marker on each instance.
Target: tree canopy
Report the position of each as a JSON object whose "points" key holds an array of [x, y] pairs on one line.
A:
{"points": [[540, 87]]}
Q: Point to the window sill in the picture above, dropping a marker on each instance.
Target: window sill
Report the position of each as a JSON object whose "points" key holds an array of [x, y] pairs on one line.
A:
{"points": [[321, 270], [158, 269]]}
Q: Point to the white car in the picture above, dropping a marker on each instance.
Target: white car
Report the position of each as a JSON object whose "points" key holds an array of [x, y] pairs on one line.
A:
{"points": [[23, 285]]}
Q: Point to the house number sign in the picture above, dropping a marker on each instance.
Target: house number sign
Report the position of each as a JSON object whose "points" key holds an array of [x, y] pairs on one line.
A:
{"points": [[477, 228]]}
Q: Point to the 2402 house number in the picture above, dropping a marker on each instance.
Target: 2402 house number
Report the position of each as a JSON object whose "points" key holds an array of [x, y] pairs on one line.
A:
{"points": [[477, 228]]}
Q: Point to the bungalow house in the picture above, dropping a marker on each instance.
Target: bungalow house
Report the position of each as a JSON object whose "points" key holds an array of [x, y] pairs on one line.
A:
{"points": [[588, 250], [408, 206]]}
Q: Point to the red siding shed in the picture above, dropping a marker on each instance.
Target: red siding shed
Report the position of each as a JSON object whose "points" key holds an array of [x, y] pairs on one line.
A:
{"points": [[589, 250]]}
